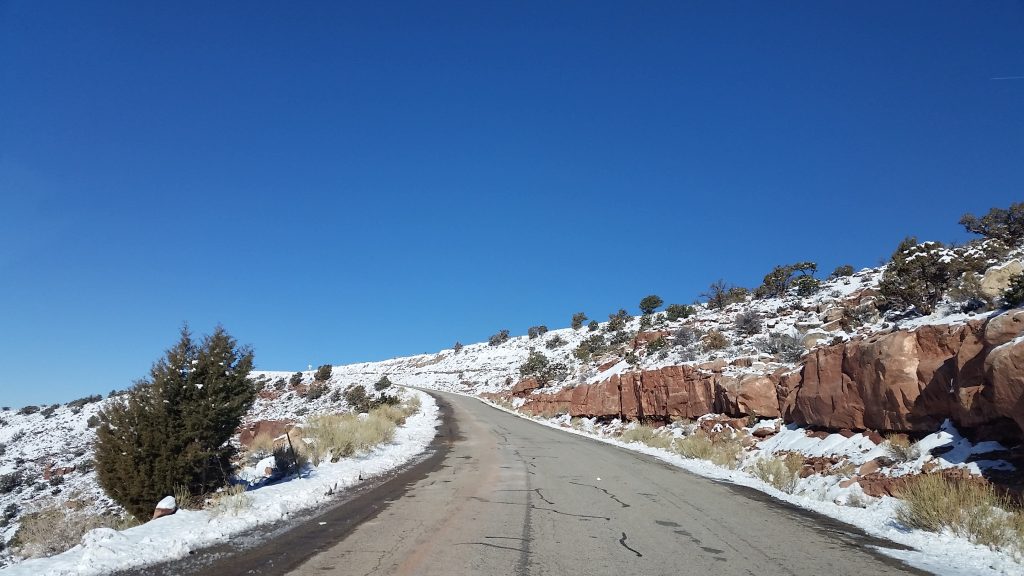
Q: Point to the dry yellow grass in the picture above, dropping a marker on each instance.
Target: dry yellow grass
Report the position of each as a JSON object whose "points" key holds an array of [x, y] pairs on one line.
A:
{"points": [[725, 452], [973, 510], [782, 473], [54, 529], [652, 437]]}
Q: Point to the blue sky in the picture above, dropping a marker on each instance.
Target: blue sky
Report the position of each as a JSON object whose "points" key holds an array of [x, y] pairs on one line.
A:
{"points": [[340, 182]]}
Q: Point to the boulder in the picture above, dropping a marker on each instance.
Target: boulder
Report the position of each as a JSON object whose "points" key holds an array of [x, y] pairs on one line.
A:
{"points": [[165, 507], [997, 278]]}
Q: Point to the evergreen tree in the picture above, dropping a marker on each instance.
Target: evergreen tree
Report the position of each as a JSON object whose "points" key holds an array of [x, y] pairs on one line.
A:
{"points": [[651, 303], [173, 428]]}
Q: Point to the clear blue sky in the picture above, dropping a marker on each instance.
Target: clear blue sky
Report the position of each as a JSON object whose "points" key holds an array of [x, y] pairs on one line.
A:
{"points": [[341, 182]]}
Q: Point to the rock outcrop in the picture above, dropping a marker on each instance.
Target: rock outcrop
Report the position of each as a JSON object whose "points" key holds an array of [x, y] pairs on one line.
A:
{"points": [[904, 381]]}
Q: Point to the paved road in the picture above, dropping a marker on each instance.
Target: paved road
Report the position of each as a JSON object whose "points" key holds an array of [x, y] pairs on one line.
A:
{"points": [[514, 497]]}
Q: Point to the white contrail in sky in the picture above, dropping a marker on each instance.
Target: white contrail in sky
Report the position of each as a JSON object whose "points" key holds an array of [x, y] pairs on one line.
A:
{"points": [[1007, 78]]}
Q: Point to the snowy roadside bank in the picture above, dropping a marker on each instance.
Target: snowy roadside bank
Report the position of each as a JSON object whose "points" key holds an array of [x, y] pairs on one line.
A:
{"points": [[104, 550], [941, 553]]}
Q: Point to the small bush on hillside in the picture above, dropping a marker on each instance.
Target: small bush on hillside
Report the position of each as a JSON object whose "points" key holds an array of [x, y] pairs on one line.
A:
{"points": [[917, 275], [3, 448], [1013, 296], [617, 321], [534, 332], [1000, 223], [677, 311], [355, 396], [383, 384], [554, 342], [782, 473], [280, 384], [783, 346], [717, 295], [725, 452], [737, 294], [656, 344], [685, 337], [316, 390], [577, 320], [458, 347], [650, 303], [26, 410], [806, 286], [619, 338], [538, 366], [841, 271], [323, 373], [498, 339], [593, 326], [295, 379], [93, 421], [82, 402], [715, 340], [749, 323], [646, 321], [48, 411], [11, 481], [592, 346], [778, 281]]}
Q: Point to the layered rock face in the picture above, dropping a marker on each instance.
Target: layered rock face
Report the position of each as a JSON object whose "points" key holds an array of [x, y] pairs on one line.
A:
{"points": [[910, 381], [906, 381]]}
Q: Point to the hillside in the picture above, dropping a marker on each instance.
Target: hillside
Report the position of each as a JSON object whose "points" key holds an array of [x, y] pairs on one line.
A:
{"points": [[816, 360]]}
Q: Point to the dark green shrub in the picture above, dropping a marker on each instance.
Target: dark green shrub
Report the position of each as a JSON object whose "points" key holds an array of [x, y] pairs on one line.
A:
{"points": [[357, 399], [174, 427], [383, 384], [316, 390], [295, 380], [646, 321], [592, 326], [536, 331], [676, 311], [577, 320], [777, 282], [11, 481], [918, 275], [458, 347], [498, 339], [81, 402], [968, 293], [323, 373], [26, 410], [1000, 223], [748, 323], [617, 321], [554, 342], [280, 383], [1013, 296], [386, 400], [737, 294], [48, 411], [841, 271], [650, 303], [592, 346], [806, 286], [535, 363]]}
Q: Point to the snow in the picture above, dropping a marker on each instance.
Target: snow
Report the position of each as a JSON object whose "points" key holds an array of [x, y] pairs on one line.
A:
{"points": [[105, 550]]}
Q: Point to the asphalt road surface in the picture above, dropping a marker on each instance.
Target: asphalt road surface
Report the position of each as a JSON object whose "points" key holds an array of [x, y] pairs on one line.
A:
{"points": [[501, 495]]}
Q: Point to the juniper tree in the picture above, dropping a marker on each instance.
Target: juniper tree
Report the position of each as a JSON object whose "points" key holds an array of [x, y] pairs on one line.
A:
{"points": [[172, 428]]}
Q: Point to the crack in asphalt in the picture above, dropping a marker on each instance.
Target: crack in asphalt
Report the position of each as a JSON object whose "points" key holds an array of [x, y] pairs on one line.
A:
{"points": [[607, 493], [626, 546]]}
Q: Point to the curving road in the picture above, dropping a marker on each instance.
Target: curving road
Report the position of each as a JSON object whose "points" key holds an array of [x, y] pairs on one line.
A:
{"points": [[502, 495]]}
